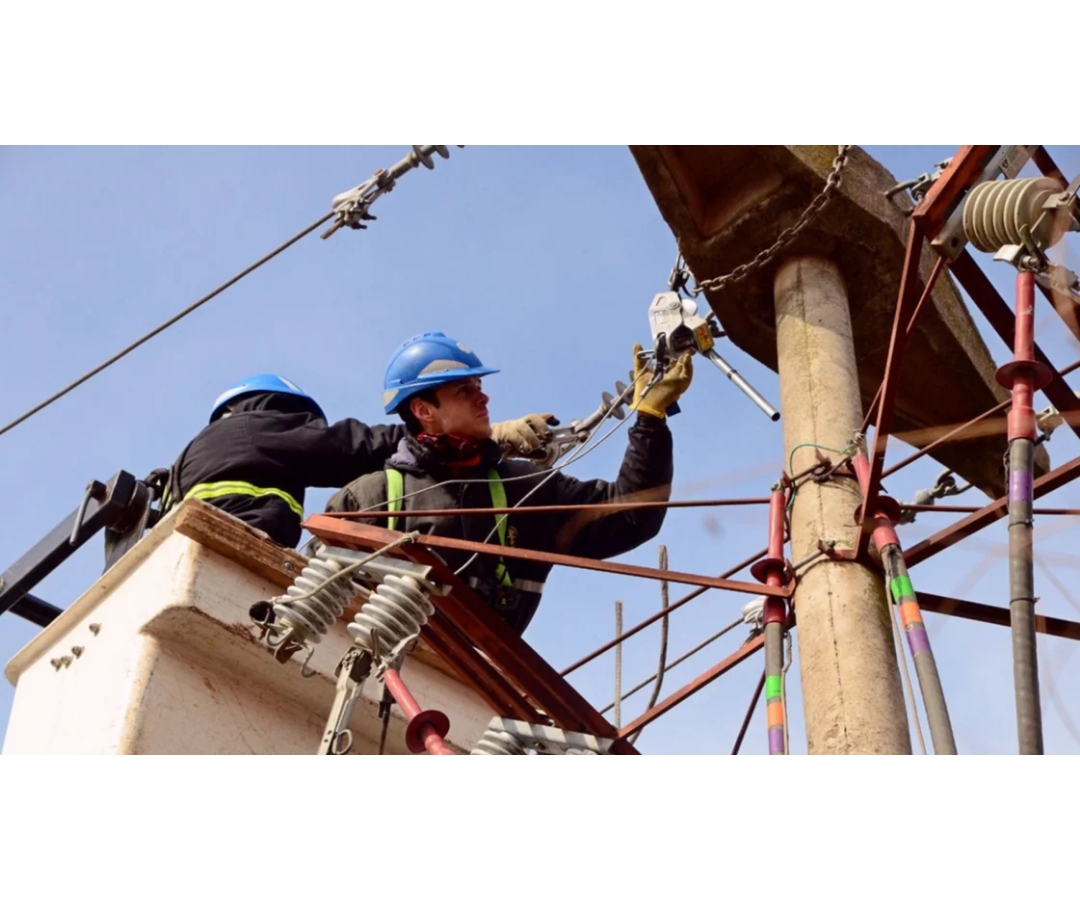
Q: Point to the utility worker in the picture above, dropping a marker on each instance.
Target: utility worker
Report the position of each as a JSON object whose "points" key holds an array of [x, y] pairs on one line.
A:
{"points": [[267, 441], [433, 383]]}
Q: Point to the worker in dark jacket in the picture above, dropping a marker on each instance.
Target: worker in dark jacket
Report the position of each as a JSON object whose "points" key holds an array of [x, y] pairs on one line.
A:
{"points": [[267, 441], [433, 382]]}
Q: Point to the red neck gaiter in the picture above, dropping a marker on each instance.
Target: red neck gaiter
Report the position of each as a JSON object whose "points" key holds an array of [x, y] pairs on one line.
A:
{"points": [[452, 450]]}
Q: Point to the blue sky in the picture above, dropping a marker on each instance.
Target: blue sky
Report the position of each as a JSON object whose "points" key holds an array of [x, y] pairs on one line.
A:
{"points": [[542, 259]]}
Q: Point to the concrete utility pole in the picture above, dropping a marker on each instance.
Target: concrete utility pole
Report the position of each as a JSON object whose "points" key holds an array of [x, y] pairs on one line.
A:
{"points": [[850, 680], [727, 206]]}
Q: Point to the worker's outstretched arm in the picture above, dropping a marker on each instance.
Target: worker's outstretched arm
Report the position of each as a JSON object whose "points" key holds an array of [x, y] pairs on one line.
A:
{"points": [[330, 456], [645, 476]]}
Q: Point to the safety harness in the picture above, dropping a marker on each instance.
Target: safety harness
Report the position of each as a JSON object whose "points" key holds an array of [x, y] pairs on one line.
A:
{"points": [[395, 493]]}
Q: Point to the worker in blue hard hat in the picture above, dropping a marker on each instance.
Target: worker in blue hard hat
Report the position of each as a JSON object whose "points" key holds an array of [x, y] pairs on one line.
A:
{"points": [[267, 441], [434, 383]]}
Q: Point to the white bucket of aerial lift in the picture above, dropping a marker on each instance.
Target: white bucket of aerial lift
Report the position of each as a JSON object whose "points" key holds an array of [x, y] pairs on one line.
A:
{"points": [[161, 658]]}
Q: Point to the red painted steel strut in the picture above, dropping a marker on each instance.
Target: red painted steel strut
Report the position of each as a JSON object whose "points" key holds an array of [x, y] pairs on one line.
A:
{"points": [[773, 571], [426, 728], [906, 305], [885, 539], [1024, 375]]}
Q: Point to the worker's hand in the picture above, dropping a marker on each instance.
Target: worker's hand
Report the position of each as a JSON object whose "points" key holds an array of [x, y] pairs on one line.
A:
{"points": [[667, 390], [524, 436]]}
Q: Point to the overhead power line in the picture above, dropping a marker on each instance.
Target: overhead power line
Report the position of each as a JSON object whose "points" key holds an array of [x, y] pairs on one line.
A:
{"points": [[159, 329], [350, 209]]}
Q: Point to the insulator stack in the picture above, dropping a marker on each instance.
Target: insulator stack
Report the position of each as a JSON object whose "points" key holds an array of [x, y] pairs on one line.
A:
{"points": [[498, 742], [312, 617], [398, 608], [995, 213]]}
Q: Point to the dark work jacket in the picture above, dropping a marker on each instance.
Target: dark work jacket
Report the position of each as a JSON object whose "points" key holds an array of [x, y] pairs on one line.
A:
{"points": [[645, 475], [269, 441]]}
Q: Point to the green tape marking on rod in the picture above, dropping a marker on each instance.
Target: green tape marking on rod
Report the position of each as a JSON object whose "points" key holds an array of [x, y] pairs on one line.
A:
{"points": [[902, 587], [772, 688]]}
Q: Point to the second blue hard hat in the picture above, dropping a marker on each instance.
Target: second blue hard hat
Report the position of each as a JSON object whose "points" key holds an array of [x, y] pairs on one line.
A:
{"points": [[262, 383]]}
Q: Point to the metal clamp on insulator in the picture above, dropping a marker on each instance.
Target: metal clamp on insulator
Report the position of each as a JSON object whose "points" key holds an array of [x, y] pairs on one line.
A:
{"points": [[997, 213], [506, 736]]}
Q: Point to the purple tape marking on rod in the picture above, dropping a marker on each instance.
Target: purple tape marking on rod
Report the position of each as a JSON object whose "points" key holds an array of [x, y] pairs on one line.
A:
{"points": [[776, 741], [918, 640], [1021, 487]]}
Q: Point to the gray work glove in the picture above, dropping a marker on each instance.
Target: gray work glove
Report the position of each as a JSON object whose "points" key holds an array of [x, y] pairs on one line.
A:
{"points": [[524, 436]]}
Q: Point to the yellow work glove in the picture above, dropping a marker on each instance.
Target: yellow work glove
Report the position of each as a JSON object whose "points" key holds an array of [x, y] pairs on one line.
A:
{"points": [[666, 391], [524, 436]]}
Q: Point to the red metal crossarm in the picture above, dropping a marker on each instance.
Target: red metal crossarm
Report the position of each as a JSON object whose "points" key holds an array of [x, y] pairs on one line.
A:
{"points": [[935, 209], [997, 616], [593, 511], [537, 684], [951, 435], [905, 307], [939, 266], [995, 511], [450, 644], [971, 509], [574, 562], [1047, 166]]}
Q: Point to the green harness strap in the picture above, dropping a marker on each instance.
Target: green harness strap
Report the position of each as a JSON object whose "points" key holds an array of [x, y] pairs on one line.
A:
{"points": [[498, 500], [395, 492], [395, 495]]}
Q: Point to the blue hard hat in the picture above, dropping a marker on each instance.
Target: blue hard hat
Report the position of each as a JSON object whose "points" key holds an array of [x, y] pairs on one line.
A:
{"points": [[425, 362], [262, 383]]}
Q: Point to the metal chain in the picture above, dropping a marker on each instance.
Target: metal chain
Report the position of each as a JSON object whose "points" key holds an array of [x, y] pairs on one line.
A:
{"points": [[832, 183]]}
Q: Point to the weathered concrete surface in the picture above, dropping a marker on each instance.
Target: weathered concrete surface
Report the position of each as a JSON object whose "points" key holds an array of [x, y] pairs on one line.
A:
{"points": [[852, 700], [727, 203], [169, 663]]}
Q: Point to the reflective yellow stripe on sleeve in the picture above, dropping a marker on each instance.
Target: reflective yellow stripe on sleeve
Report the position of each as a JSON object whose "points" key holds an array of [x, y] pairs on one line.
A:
{"points": [[207, 491]]}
